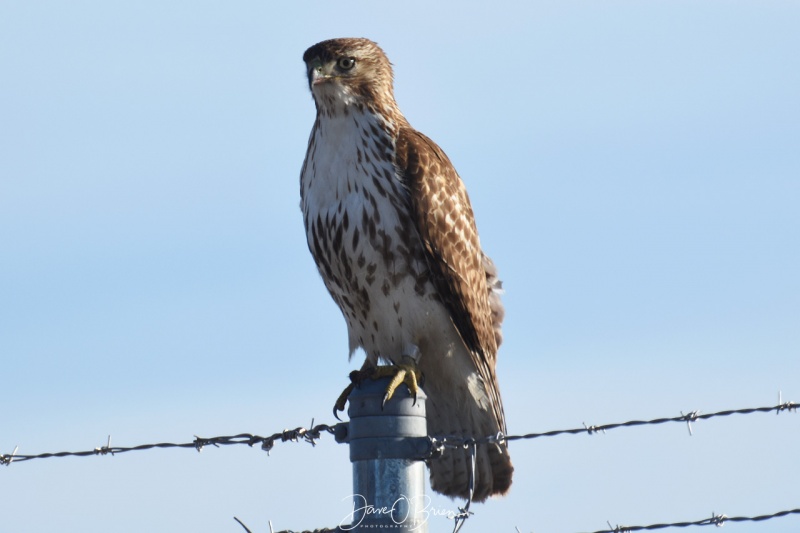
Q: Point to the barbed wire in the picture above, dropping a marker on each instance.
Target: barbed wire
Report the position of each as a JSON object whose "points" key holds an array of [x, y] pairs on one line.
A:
{"points": [[438, 447], [438, 443], [299, 434], [693, 416], [715, 520]]}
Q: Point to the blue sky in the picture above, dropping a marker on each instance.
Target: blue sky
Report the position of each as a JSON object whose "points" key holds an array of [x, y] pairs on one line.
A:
{"points": [[635, 172]]}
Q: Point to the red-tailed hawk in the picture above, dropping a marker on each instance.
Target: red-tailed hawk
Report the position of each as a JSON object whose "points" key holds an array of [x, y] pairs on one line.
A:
{"points": [[391, 229]]}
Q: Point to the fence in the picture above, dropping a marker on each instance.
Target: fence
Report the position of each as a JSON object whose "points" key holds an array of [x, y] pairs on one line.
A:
{"points": [[387, 447]]}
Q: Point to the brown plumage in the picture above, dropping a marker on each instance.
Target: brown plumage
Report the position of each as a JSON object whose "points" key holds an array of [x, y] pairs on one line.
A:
{"points": [[391, 229]]}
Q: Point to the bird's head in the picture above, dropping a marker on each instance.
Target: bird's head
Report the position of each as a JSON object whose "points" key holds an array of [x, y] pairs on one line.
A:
{"points": [[350, 71]]}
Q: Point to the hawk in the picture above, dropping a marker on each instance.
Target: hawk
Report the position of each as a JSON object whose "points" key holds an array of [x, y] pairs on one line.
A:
{"points": [[392, 232]]}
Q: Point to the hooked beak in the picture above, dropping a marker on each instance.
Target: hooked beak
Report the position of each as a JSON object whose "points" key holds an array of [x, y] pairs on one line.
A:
{"points": [[317, 73]]}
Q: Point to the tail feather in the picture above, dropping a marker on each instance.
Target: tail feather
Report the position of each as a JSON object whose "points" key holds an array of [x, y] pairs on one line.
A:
{"points": [[450, 473]]}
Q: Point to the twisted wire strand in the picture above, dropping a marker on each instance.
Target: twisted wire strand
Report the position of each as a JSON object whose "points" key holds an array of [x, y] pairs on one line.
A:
{"points": [[715, 520], [500, 438], [438, 443], [299, 434]]}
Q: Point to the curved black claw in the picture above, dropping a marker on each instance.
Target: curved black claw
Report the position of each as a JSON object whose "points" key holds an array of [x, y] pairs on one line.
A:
{"points": [[407, 373], [341, 401]]}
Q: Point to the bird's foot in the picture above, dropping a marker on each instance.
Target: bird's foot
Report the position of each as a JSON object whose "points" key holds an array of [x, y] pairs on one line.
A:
{"points": [[407, 372], [356, 377]]}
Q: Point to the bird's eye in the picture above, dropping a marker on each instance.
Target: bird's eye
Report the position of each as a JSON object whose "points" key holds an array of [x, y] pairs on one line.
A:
{"points": [[346, 63]]}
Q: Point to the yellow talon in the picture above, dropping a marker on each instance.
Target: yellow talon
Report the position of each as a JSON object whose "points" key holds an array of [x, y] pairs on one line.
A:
{"points": [[406, 372], [403, 373]]}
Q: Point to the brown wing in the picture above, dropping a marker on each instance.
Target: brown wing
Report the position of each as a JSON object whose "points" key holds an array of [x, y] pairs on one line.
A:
{"points": [[446, 224]]}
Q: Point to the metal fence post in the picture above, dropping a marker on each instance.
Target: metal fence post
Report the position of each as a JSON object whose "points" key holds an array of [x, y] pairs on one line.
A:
{"points": [[387, 448]]}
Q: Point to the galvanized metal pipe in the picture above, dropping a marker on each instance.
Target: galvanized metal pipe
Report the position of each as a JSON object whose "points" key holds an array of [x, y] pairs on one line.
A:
{"points": [[387, 447]]}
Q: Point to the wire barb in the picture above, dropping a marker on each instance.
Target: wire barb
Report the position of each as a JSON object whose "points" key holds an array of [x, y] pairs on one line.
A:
{"points": [[103, 450], [463, 512], [785, 406], [8, 459], [593, 429], [617, 528], [691, 417], [718, 520], [200, 442]]}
